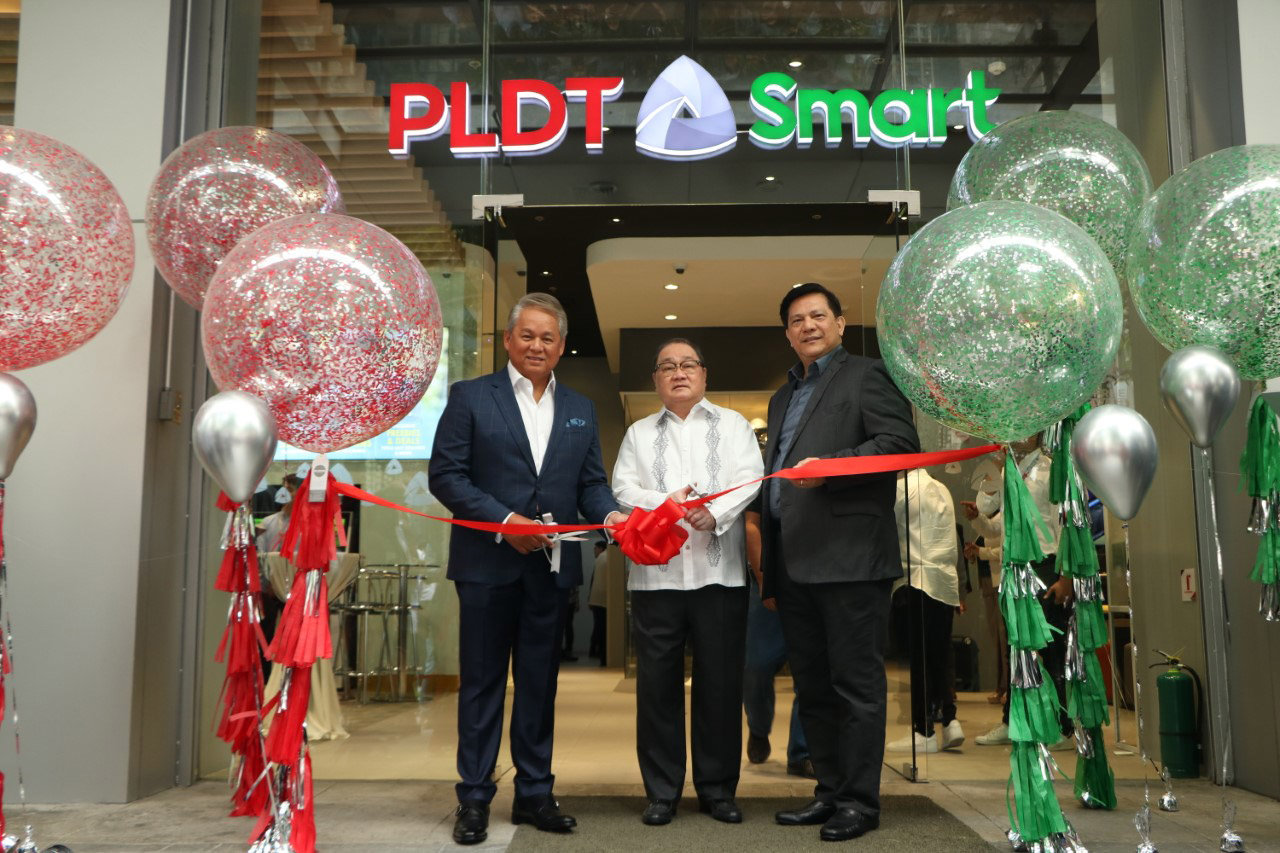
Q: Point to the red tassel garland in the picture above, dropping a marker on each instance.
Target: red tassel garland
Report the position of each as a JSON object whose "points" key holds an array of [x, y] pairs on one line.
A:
{"points": [[284, 740], [302, 634], [303, 836], [309, 543]]}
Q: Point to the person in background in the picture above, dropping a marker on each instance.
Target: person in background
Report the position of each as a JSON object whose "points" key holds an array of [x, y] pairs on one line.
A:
{"points": [[1034, 466], [598, 601], [988, 485], [927, 542], [766, 656], [831, 556], [515, 447], [699, 598], [268, 534]]}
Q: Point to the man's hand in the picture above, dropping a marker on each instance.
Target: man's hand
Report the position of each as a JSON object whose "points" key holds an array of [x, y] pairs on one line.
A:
{"points": [[700, 518], [970, 551], [808, 482], [960, 608], [525, 543], [970, 509], [617, 517], [770, 603], [681, 495], [1062, 591]]}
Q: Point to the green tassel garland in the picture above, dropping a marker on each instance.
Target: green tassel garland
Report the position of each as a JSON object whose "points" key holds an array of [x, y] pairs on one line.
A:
{"points": [[1023, 615], [1266, 568], [1087, 696], [1038, 812], [1091, 624], [1095, 783], [1033, 712]]}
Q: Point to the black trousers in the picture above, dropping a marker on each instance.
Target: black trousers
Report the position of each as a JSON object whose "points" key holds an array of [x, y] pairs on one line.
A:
{"points": [[599, 633], [835, 636], [929, 628], [1053, 655], [713, 619], [516, 625]]}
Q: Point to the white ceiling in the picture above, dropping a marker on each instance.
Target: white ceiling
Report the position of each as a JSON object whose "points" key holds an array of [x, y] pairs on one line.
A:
{"points": [[728, 281]]}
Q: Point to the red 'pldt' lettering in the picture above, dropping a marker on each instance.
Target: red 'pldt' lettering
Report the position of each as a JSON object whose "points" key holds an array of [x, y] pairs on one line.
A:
{"points": [[517, 140], [595, 91], [404, 127], [462, 142]]}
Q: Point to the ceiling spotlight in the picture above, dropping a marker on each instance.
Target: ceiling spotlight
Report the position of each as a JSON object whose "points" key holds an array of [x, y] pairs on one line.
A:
{"points": [[606, 129], [671, 286], [770, 178], [573, 352], [616, 219], [546, 272], [671, 317], [795, 63], [996, 67], [957, 127]]}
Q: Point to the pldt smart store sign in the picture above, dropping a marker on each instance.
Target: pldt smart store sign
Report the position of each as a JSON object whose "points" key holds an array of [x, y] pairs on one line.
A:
{"points": [[685, 115]]}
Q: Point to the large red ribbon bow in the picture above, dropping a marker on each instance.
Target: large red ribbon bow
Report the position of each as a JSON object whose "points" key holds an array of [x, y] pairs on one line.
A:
{"points": [[652, 537]]}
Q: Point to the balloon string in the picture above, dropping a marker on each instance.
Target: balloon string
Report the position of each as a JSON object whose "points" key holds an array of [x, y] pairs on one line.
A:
{"points": [[1143, 818], [10, 687], [1223, 713]]}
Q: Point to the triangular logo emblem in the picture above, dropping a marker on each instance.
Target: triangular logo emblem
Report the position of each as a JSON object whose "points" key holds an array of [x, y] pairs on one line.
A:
{"points": [[685, 115]]}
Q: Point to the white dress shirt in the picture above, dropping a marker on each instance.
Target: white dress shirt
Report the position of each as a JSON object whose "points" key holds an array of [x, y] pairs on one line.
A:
{"points": [[927, 535], [538, 417], [711, 449], [1035, 468]]}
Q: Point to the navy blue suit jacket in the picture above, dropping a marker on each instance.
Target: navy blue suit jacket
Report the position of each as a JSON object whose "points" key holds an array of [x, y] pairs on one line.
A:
{"points": [[482, 469]]}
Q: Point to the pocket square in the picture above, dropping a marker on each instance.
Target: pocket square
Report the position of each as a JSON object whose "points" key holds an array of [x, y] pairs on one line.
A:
{"points": [[575, 422]]}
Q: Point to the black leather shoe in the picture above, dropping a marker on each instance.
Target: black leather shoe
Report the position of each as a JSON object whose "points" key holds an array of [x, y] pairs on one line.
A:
{"points": [[725, 811], [757, 749], [659, 813], [542, 812], [472, 825], [848, 823], [813, 813], [802, 768]]}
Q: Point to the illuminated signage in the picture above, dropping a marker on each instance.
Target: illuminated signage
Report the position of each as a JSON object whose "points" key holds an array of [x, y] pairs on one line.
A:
{"points": [[686, 115]]}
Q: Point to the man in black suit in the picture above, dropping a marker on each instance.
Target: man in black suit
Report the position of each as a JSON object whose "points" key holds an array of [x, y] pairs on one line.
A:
{"points": [[516, 447], [831, 556]]}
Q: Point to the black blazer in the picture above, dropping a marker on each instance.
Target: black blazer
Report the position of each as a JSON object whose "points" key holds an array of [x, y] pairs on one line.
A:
{"points": [[843, 530], [482, 469]]}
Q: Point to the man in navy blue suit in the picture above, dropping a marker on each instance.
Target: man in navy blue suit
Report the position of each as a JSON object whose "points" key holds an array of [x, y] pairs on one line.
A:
{"points": [[516, 447]]}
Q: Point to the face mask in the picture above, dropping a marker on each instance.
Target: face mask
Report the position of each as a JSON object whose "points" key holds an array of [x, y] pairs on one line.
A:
{"points": [[988, 503]]}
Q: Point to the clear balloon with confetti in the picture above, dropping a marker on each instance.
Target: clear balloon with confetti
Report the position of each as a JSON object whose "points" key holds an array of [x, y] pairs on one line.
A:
{"points": [[999, 319], [1069, 162], [66, 249], [1204, 266], [330, 320], [220, 187]]}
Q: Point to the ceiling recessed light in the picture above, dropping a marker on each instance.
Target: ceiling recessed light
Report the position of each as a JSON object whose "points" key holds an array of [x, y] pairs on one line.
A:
{"points": [[616, 219], [573, 352], [957, 126], [670, 286], [546, 272], [671, 317], [770, 178], [795, 63], [606, 129]]}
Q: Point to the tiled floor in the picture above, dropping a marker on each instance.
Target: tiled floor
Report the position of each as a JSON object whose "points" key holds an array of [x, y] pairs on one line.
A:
{"points": [[389, 787]]}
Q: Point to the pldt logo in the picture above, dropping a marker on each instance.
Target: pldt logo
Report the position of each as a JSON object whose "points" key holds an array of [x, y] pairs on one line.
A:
{"points": [[685, 115]]}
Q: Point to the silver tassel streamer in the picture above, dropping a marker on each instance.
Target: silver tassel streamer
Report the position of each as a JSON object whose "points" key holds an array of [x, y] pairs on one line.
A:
{"points": [[1074, 666], [1168, 800], [1086, 589], [1024, 669], [1259, 516], [1231, 842], [1269, 602], [276, 838], [1084, 745], [1016, 843], [1142, 823]]}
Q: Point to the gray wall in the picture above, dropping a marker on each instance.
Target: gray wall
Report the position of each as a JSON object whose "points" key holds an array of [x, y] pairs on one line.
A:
{"points": [[83, 586]]}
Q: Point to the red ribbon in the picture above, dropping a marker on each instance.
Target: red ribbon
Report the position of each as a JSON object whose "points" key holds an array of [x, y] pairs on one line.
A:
{"points": [[653, 538]]}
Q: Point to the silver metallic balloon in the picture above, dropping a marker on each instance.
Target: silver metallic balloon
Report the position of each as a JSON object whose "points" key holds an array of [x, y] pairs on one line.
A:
{"points": [[17, 421], [1115, 451], [234, 436], [1200, 387]]}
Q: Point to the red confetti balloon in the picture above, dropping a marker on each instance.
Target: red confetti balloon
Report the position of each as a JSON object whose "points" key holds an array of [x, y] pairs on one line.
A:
{"points": [[331, 320], [219, 188], [66, 249]]}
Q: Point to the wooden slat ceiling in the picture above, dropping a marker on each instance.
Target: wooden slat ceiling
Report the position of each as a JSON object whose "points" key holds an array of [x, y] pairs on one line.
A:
{"points": [[311, 87], [8, 59]]}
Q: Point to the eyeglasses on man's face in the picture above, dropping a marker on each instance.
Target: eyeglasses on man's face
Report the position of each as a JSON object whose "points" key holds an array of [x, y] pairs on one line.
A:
{"points": [[668, 368]]}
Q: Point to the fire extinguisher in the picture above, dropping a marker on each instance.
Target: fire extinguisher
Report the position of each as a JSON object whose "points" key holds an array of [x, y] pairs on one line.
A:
{"points": [[1178, 689]]}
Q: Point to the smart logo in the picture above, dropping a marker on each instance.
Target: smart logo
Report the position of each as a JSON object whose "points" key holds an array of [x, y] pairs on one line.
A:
{"points": [[685, 115]]}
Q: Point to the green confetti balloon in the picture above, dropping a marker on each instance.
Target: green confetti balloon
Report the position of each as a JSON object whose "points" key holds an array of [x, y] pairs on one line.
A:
{"points": [[1204, 265], [999, 319], [1069, 162]]}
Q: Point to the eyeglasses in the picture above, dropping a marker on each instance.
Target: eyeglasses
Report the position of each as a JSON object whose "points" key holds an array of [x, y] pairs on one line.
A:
{"points": [[668, 368]]}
